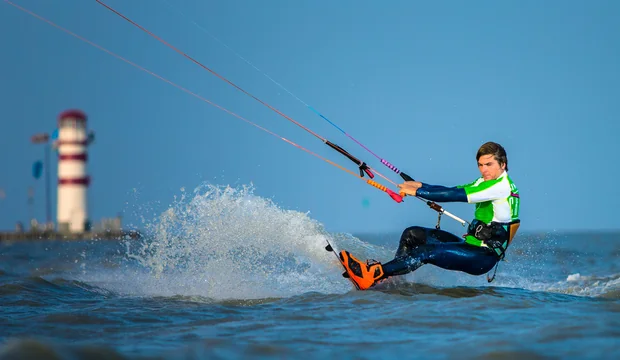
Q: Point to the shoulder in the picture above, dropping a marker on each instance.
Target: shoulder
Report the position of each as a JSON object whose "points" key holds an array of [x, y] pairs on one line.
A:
{"points": [[473, 183], [509, 180], [499, 186]]}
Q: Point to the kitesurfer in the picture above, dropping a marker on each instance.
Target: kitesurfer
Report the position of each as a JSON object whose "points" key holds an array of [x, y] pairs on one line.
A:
{"points": [[495, 223]]}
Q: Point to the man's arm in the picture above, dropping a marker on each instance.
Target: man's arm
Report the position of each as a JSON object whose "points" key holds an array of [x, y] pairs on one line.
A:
{"points": [[487, 190], [442, 193], [474, 192]]}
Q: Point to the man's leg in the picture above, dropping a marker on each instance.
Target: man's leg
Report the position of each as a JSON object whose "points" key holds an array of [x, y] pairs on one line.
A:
{"points": [[415, 236], [471, 259], [419, 246]]}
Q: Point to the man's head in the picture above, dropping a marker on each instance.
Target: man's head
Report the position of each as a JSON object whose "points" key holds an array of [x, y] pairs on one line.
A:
{"points": [[492, 160]]}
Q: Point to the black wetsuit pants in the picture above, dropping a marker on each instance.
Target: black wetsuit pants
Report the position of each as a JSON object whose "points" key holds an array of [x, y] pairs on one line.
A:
{"points": [[419, 245]]}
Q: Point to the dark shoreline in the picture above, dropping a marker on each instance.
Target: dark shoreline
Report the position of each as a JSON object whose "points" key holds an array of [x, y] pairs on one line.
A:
{"points": [[53, 235]]}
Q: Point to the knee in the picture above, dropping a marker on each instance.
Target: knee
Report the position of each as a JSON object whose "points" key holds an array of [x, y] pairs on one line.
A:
{"points": [[414, 236]]}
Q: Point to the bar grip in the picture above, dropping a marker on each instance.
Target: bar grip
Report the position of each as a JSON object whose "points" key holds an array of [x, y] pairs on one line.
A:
{"points": [[392, 167]]}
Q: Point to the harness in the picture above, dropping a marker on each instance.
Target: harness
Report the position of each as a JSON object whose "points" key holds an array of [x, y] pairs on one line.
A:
{"points": [[495, 236]]}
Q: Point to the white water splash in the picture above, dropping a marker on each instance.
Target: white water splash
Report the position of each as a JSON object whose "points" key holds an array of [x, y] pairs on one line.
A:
{"points": [[577, 284], [226, 243]]}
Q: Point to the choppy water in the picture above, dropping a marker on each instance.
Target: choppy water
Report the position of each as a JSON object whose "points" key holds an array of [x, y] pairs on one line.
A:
{"points": [[204, 287]]}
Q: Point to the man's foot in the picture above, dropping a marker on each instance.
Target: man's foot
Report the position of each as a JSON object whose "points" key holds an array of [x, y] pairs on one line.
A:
{"points": [[363, 274]]}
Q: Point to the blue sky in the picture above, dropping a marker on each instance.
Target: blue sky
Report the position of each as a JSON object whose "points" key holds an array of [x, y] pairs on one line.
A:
{"points": [[421, 84]]}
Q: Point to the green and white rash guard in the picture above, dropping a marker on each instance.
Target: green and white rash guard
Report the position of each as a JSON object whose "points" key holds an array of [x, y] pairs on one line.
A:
{"points": [[496, 200]]}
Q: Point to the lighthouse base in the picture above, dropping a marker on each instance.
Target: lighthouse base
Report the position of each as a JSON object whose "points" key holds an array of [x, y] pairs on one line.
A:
{"points": [[74, 228]]}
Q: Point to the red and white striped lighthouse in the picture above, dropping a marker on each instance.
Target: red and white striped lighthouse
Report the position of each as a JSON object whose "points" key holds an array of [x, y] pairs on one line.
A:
{"points": [[73, 181]]}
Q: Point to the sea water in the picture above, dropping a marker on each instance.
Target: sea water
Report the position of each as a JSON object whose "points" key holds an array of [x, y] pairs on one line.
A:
{"points": [[227, 274]]}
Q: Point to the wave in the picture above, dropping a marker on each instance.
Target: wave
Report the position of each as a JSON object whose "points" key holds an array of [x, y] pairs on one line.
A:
{"points": [[222, 243]]}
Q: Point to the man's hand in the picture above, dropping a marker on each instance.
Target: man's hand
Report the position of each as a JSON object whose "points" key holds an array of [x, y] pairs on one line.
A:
{"points": [[410, 187], [415, 184]]}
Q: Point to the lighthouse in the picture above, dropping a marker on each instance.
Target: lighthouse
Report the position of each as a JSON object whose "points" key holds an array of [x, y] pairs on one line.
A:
{"points": [[72, 142]]}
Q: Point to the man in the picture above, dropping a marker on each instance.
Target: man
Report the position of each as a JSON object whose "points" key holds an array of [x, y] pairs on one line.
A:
{"points": [[488, 236]]}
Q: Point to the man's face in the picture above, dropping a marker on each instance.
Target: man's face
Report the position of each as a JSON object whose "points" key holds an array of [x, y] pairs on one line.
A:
{"points": [[489, 167]]}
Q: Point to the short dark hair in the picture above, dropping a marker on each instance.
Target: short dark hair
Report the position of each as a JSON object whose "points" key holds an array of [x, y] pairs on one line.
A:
{"points": [[495, 149]]}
